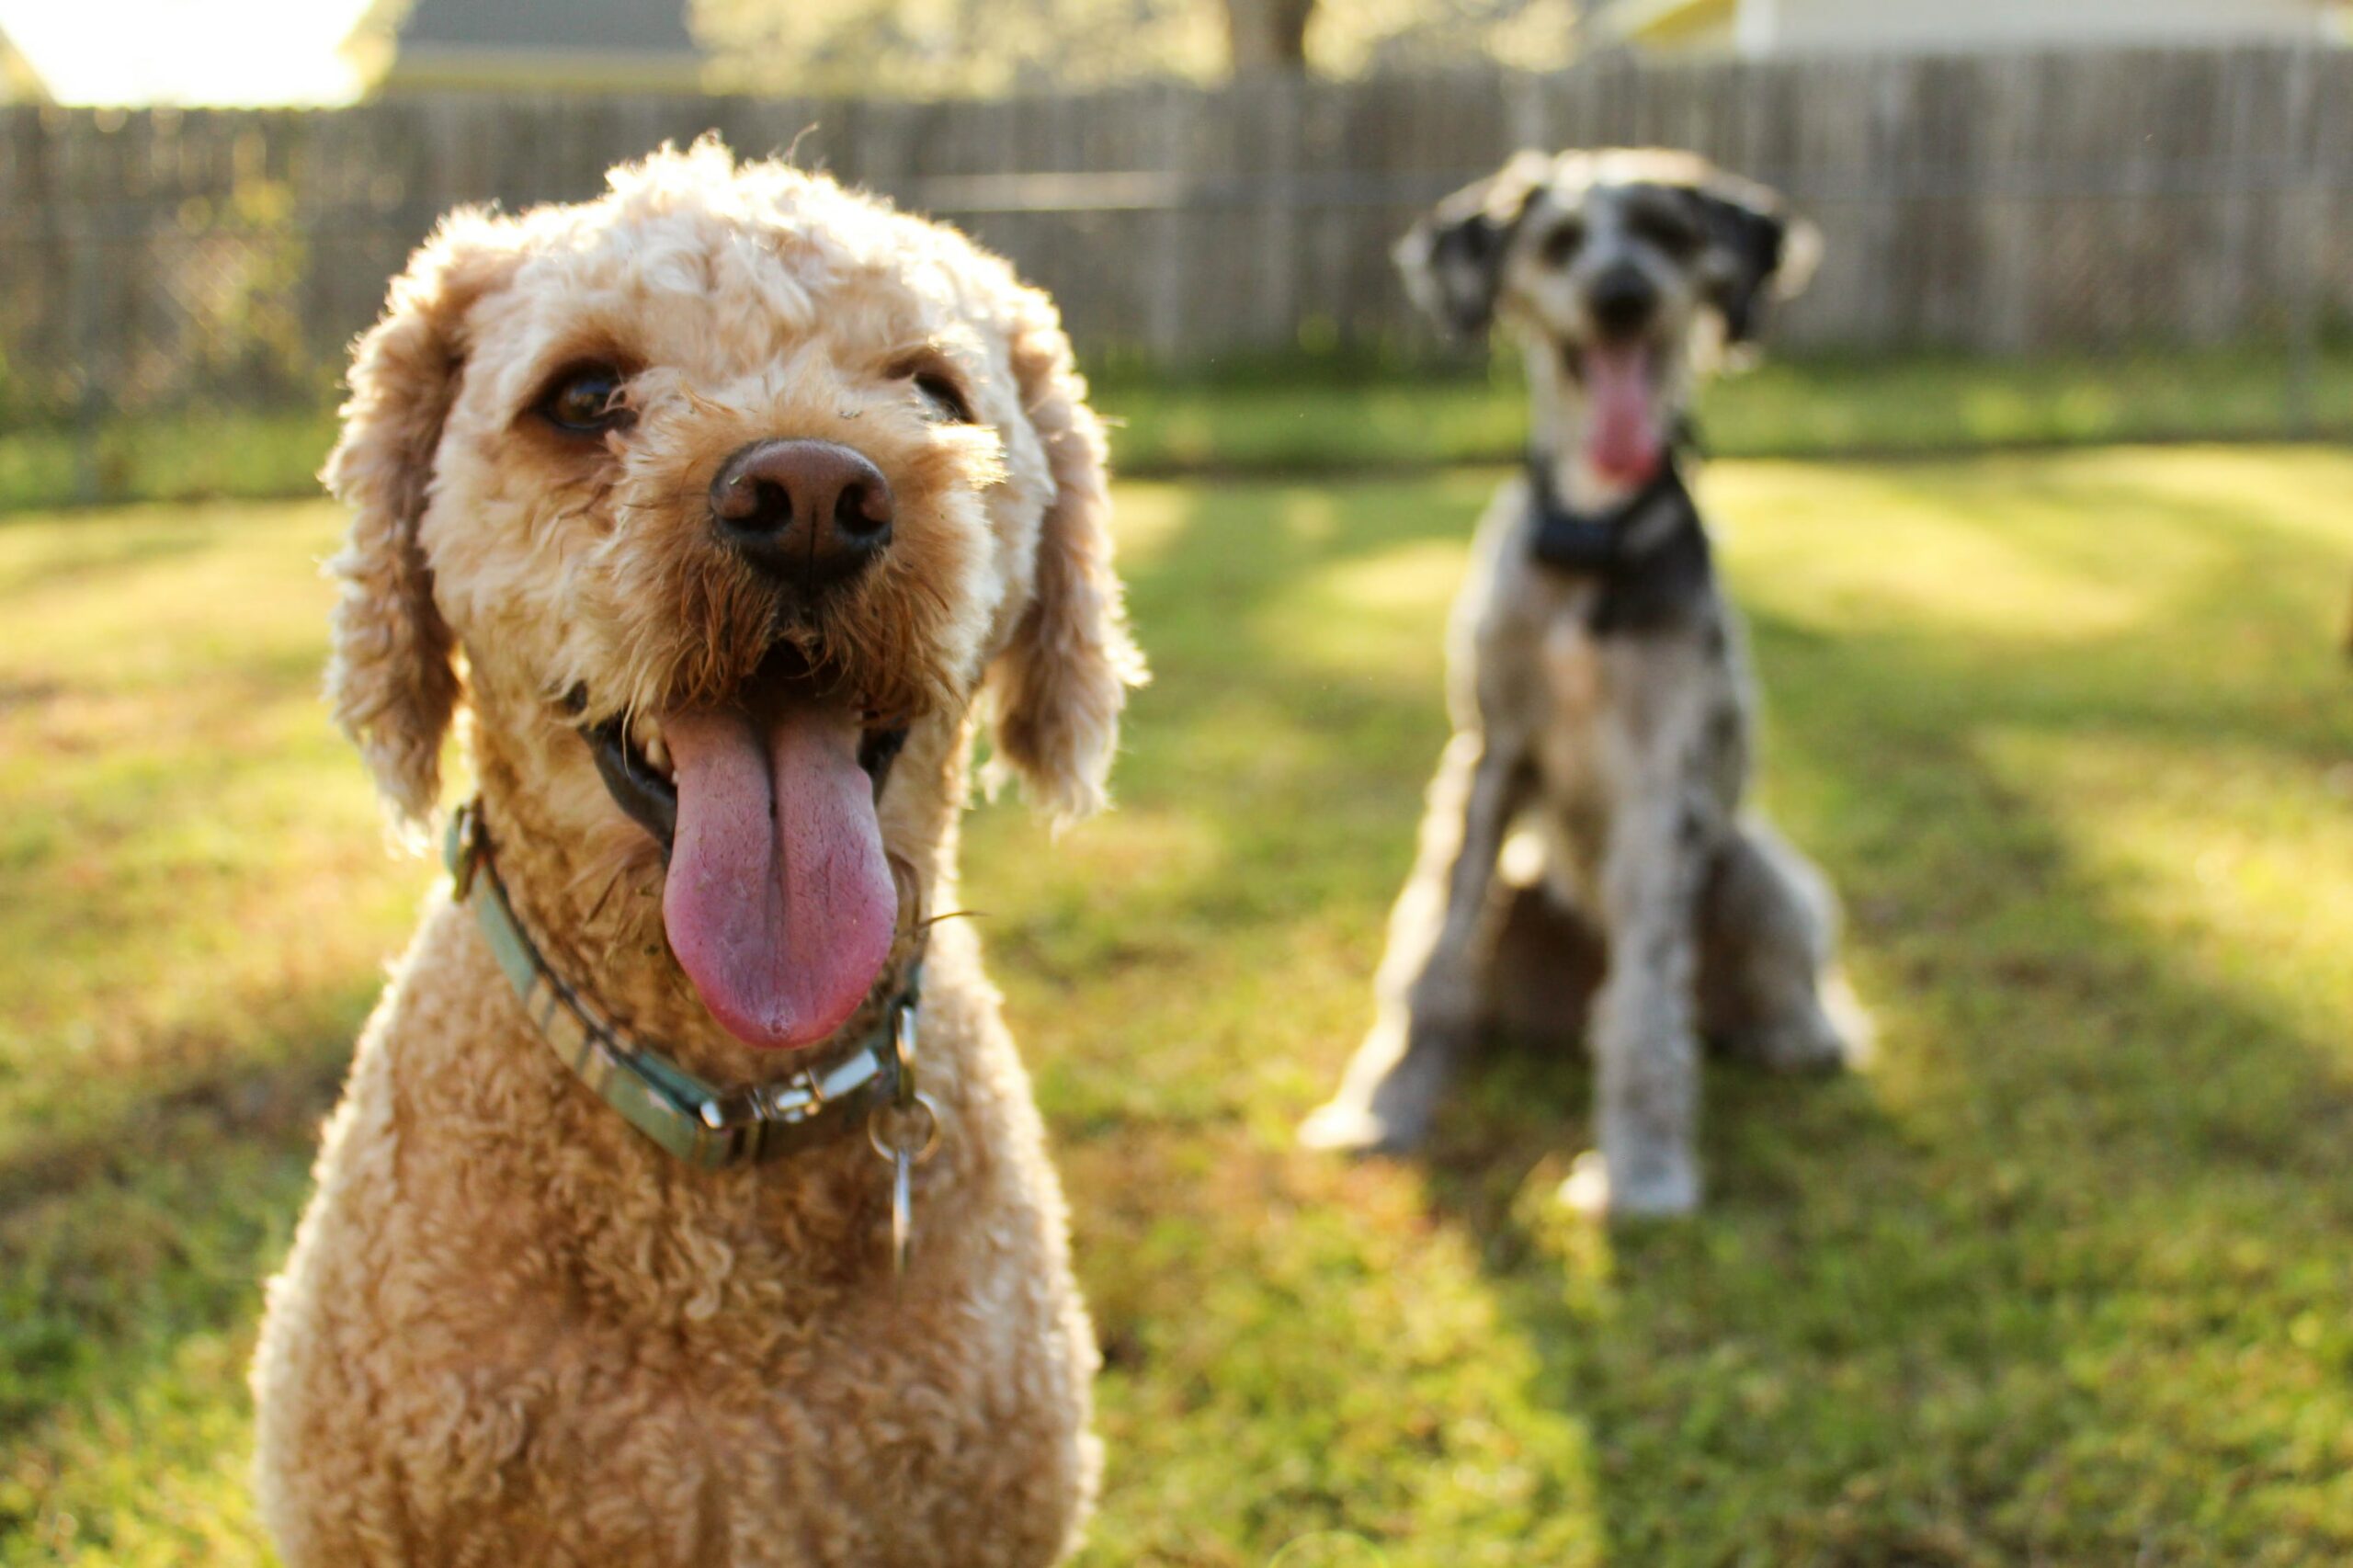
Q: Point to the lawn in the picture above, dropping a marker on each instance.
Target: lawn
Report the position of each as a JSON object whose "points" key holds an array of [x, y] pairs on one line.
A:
{"points": [[2068, 1279], [1338, 412]]}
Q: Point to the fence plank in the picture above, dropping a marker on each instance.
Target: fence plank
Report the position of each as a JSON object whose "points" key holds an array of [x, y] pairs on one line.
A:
{"points": [[1992, 204]]}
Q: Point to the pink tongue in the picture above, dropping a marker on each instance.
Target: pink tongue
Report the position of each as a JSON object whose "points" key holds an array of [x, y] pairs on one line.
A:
{"points": [[1623, 441], [779, 903]]}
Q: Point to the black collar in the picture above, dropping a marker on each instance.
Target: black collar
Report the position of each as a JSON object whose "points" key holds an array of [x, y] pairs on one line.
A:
{"points": [[1569, 540], [1649, 552]]}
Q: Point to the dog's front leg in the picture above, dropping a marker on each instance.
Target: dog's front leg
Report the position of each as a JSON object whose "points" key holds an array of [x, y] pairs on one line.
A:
{"points": [[1645, 1040], [1428, 993]]}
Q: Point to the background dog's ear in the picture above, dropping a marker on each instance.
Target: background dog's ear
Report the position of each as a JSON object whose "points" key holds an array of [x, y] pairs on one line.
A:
{"points": [[391, 675], [1452, 260], [1757, 253], [1058, 688]]}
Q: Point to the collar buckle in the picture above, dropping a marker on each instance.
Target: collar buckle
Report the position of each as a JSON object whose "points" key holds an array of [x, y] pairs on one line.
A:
{"points": [[462, 850], [905, 1130]]}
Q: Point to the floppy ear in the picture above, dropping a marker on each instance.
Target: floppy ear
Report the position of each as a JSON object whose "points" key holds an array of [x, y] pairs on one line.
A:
{"points": [[392, 674], [1060, 684], [1756, 251], [1452, 260]]}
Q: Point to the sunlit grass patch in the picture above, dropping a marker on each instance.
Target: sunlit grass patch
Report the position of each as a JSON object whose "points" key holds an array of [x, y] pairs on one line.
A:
{"points": [[195, 850]]}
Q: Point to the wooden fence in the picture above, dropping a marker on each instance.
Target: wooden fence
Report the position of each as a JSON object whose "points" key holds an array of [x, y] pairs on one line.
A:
{"points": [[1995, 204]]}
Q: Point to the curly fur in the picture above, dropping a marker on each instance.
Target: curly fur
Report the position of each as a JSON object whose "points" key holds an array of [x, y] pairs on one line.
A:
{"points": [[511, 1330], [1064, 679]]}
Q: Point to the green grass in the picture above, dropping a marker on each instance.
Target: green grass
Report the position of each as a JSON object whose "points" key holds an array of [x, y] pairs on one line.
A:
{"points": [[227, 452], [1341, 413], [1251, 418], [2066, 1279]]}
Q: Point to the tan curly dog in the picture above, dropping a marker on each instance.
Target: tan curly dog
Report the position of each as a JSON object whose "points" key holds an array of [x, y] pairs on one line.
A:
{"points": [[724, 508]]}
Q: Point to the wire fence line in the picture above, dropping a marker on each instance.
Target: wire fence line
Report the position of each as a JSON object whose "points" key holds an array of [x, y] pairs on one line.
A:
{"points": [[2114, 203]]}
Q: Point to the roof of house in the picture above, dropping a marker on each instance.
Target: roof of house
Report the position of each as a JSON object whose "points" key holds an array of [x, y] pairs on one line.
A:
{"points": [[563, 45], [1664, 21], [632, 26], [19, 83]]}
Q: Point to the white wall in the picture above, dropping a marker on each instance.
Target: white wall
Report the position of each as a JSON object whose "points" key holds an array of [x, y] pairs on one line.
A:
{"points": [[1820, 25]]}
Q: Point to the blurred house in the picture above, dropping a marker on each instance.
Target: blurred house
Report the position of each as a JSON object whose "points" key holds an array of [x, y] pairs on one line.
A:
{"points": [[19, 83], [404, 46], [1757, 28]]}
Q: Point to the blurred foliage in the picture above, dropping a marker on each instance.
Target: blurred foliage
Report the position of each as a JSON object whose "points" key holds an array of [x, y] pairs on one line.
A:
{"points": [[1382, 34], [934, 48], [937, 47]]}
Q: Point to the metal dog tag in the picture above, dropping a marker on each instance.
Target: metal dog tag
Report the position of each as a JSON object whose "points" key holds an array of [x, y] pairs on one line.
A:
{"points": [[903, 1185], [905, 1130]]}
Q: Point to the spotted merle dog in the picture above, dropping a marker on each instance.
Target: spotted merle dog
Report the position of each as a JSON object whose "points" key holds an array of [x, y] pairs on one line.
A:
{"points": [[1584, 863]]}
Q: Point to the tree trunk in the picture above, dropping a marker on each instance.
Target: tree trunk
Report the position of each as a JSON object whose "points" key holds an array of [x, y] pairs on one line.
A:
{"points": [[1268, 34]]}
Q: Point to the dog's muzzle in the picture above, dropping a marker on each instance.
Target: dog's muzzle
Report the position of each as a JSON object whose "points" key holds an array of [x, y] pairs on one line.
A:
{"points": [[649, 799]]}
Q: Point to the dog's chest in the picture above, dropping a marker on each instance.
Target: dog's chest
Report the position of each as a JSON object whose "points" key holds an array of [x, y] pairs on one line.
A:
{"points": [[1580, 740], [844, 1443]]}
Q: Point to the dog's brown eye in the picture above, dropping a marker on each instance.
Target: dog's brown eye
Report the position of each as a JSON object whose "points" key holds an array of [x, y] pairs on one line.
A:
{"points": [[947, 399], [1561, 245], [586, 400]]}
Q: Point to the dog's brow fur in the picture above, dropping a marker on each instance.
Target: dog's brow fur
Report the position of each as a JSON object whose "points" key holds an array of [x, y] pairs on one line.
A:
{"points": [[1650, 912], [511, 1329]]}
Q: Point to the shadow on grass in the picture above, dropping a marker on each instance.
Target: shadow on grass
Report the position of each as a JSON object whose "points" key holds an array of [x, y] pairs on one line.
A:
{"points": [[2029, 1296], [130, 1279], [123, 1236]]}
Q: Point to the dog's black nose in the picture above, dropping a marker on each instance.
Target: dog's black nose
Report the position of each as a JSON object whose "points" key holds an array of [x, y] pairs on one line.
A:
{"points": [[1622, 300], [809, 514]]}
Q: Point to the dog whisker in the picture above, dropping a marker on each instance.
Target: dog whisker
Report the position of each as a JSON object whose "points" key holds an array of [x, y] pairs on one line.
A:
{"points": [[597, 909]]}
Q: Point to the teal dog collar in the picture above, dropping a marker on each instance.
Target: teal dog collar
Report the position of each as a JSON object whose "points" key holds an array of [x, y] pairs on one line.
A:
{"points": [[698, 1122]]}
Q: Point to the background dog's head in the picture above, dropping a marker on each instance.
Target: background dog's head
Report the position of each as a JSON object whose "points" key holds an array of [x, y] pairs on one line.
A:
{"points": [[1626, 272], [721, 483]]}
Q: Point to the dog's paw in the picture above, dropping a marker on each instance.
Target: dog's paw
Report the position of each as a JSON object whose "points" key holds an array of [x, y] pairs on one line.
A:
{"points": [[1850, 1022], [1832, 1035], [1659, 1190], [1808, 1043], [1343, 1127], [1391, 1095]]}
